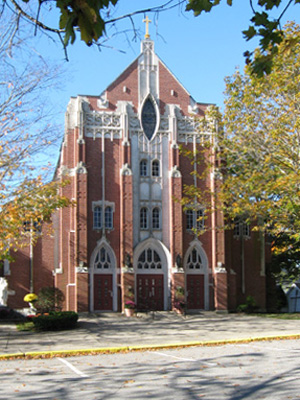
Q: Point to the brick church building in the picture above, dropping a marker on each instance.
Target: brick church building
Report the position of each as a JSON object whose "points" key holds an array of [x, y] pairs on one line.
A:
{"points": [[128, 237]]}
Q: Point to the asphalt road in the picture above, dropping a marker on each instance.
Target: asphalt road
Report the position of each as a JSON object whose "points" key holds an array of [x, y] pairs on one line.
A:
{"points": [[258, 370]]}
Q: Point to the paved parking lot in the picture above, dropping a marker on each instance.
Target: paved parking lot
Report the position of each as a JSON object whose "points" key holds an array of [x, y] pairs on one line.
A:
{"points": [[258, 370]]}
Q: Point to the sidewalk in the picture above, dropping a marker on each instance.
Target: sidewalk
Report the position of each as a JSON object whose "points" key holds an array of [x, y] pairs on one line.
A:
{"points": [[157, 329]]}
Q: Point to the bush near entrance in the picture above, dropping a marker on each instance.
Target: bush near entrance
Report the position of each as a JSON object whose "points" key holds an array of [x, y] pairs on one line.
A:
{"points": [[55, 321]]}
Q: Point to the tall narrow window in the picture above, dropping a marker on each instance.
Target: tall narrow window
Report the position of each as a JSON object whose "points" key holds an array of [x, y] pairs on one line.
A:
{"points": [[156, 218], [155, 168], [144, 218], [148, 118], [246, 230], [108, 218], [143, 168], [236, 229], [189, 219], [97, 217]]}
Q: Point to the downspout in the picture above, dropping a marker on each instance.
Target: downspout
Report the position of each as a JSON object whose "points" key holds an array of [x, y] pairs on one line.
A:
{"points": [[103, 183], [31, 260]]}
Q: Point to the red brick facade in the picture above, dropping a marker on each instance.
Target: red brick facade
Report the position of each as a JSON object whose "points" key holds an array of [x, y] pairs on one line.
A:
{"points": [[128, 237]]}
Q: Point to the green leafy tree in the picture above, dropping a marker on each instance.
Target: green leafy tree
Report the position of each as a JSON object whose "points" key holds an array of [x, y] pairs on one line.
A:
{"points": [[255, 156], [261, 143]]}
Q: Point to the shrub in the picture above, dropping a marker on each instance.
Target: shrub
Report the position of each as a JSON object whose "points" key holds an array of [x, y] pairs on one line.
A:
{"points": [[49, 299], [249, 307], [55, 321]]}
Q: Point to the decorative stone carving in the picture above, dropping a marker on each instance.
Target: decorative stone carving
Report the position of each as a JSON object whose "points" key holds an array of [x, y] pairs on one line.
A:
{"points": [[164, 124], [82, 269], [80, 169], [220, 269], [126, 170], [102, 119], [187, 124], [175, 173]]}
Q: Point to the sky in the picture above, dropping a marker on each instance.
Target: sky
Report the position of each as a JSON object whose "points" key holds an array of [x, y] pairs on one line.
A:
{"points": [[200, 51]]}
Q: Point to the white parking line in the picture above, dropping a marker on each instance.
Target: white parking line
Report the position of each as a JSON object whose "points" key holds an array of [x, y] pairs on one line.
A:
{"points": [[74, 369], [181, 358]]}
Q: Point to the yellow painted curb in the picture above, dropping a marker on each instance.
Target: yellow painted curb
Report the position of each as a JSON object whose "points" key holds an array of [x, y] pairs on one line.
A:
{"points": [[11, 356], [126, 349]]}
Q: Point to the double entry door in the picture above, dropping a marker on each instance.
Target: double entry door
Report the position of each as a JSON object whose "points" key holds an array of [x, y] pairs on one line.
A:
{"points": [[150, 292]]}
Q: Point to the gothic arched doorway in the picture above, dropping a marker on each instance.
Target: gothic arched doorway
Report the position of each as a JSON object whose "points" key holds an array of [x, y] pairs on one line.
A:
{"points": [[103, 279], [197, 285], [151, 276]]}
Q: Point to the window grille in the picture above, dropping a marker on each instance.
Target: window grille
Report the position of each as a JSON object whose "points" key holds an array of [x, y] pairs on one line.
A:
{"points": [[144, 218]]}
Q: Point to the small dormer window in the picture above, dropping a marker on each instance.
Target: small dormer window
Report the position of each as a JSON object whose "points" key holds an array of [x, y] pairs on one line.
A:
{"points": [[149, 118]]}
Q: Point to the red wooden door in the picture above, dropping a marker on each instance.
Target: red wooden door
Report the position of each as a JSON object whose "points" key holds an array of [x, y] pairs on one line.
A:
{"points": [[195, 292], [103, 300], [150, 292]]}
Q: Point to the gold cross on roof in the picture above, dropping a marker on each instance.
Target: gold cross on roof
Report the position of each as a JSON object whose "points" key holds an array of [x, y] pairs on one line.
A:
{"points": [[147, 21]]}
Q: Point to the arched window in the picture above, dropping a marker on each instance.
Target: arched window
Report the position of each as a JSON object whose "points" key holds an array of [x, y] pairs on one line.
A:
{"points": [[97, 217], [143, 168], [148, 118], [144, 218], [156, 218], [108, 218], [102, 260], [194, 260], [155, 168], [149, 259]]}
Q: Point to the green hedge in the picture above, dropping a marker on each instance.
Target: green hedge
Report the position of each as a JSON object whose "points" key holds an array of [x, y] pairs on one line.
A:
{"points": [[55, 321]]}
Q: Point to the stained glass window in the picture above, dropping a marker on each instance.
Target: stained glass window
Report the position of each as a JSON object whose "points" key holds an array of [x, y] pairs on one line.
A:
{"points": [[148, 118]]}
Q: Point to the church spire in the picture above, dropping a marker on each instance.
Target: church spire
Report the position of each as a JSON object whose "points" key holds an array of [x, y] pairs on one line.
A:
{"points": [[147, 21]]}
